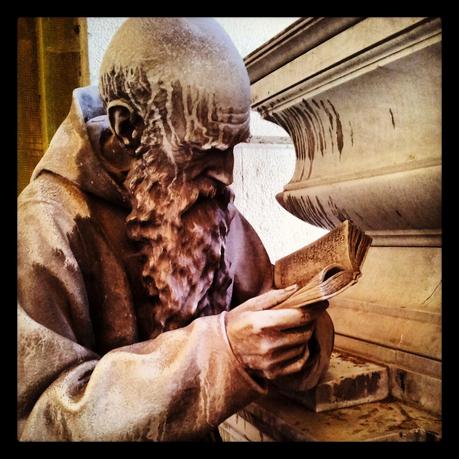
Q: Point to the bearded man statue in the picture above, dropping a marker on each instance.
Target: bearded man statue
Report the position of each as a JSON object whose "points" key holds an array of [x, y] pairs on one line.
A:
{"points": [[144, 296]]}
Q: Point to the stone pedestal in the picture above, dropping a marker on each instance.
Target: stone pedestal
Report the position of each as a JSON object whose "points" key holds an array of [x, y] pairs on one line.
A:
{"points": [[350, 403], [361, 100]]}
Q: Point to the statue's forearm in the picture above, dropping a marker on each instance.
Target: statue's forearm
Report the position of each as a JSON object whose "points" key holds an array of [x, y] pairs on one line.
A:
{"points": [[175, 387]]}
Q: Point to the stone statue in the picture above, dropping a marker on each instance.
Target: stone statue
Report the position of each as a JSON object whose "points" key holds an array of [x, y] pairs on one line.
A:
{"points": [[143, 294]]}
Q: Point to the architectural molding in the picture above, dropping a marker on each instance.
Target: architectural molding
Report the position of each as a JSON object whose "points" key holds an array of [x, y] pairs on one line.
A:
{"points": [[363, 108], [374, 325], [271, 139], [299, 37], [359, 49]]}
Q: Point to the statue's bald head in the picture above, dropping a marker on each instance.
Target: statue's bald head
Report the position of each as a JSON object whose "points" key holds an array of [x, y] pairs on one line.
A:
{"points": [[183, 77]]}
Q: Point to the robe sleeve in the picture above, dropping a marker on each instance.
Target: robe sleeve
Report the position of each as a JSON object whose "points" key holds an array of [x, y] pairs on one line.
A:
{"points": [[177, 386]]}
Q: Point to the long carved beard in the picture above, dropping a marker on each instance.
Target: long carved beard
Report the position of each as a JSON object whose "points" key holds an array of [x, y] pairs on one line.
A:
{"points": [[181, 226]]}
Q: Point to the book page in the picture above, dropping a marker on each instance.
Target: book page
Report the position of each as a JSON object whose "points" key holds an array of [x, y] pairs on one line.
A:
{"points": [[321, 288], [324, 268], [303, 264]]}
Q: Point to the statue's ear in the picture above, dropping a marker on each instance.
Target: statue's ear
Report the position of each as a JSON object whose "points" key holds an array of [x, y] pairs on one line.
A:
{"points": [[125, 123]]}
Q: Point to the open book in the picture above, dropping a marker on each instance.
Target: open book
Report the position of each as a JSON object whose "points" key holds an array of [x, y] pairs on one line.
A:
{"points": [[324, 268]]}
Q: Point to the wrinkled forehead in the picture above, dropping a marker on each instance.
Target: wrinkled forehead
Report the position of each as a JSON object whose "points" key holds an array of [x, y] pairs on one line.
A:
{"points": [[184, 75], [181, 114]]}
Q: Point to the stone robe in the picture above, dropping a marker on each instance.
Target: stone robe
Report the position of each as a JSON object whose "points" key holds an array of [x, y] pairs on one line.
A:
{"points": [[85, 369]]}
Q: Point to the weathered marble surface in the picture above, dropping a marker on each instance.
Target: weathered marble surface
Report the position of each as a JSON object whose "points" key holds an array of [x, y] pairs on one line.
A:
{"points": [[236, 428], [363, 108], [349, 381], [139, 282], [378, 421]]}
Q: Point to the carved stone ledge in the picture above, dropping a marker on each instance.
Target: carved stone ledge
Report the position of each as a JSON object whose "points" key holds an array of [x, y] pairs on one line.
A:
{"points": [[304, 34], [357, 129], [349, 381], [406, 238], [412, 378], [378, 421]]}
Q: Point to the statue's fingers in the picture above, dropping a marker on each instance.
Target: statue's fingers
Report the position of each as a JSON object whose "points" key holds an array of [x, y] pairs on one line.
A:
{"points": [[283, 369], [269, 299]]}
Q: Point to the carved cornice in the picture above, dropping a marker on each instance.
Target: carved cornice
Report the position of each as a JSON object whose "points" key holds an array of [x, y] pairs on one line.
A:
{"points": [[357, 49], [363, 108], [406, 238], [299, 37]]}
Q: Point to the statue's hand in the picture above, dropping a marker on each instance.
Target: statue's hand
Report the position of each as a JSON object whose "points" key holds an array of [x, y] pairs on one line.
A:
{"points": [[272, 343]]}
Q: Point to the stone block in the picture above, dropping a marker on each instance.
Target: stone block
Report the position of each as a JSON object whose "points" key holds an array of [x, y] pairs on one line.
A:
{"points": [[413, 379], [349, 381], [236, 428], [416, 388]]}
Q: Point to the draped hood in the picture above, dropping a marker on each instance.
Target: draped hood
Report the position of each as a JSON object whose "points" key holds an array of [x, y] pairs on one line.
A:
{"points": [[74, 151]]}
